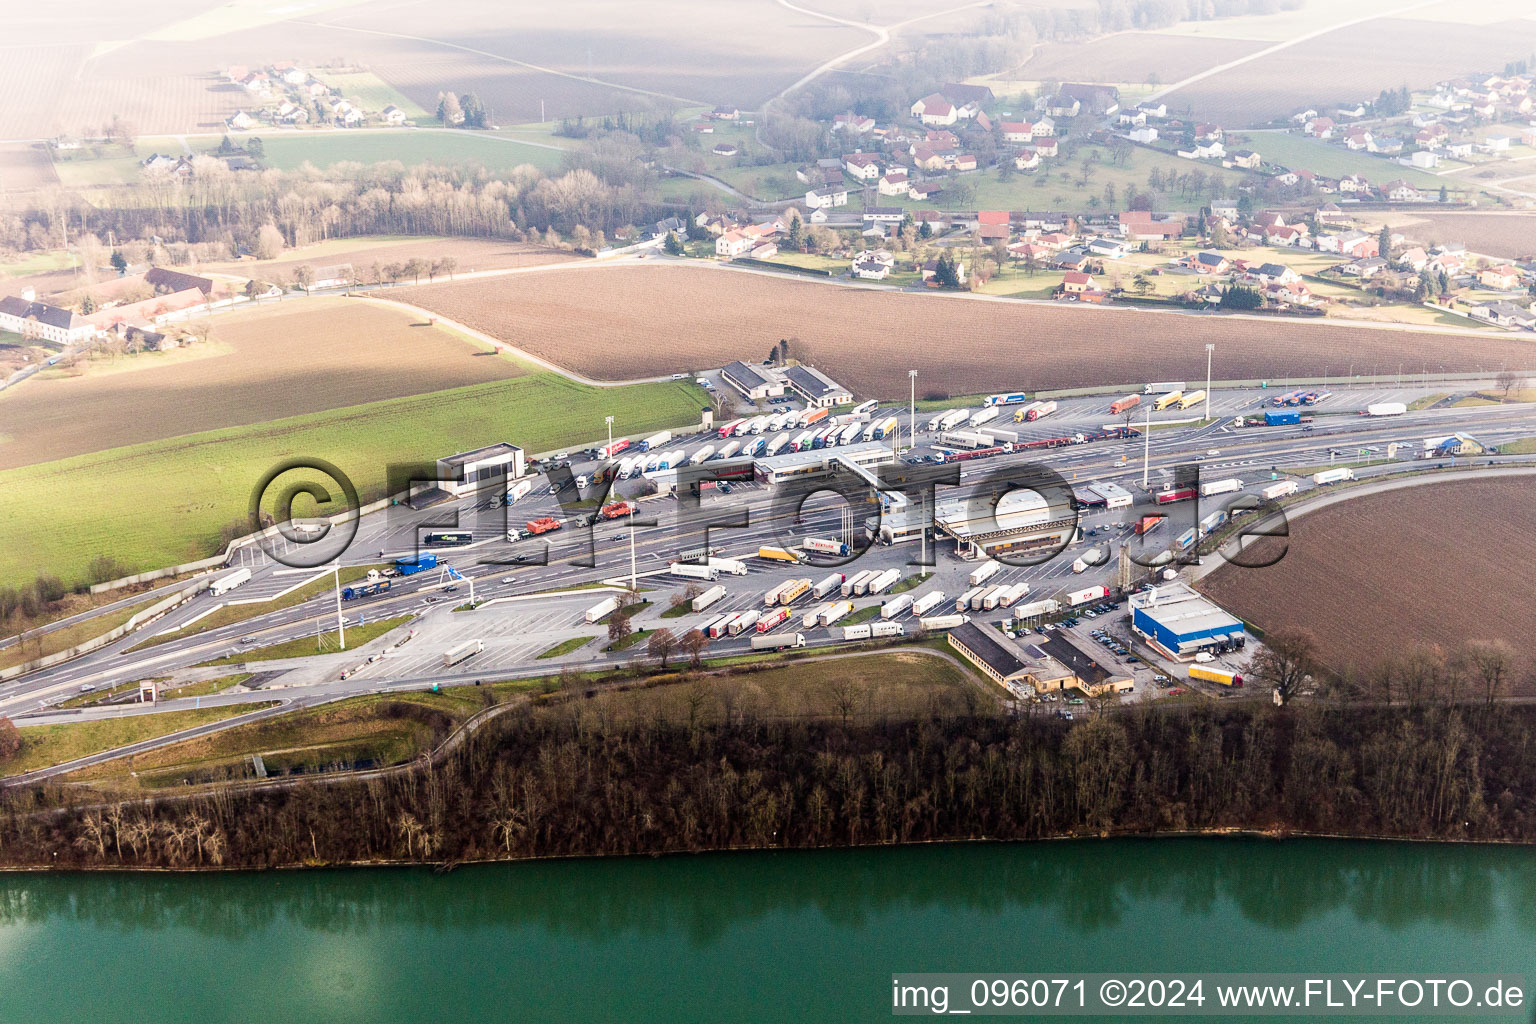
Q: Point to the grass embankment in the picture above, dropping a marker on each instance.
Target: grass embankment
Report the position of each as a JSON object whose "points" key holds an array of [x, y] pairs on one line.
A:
{"points": [[184, 490], [1309, 470], [304, 646], [41, 645], [565, 647], [379, 729], [859, 615], [233, 613], [1519, 446], [43, 746]]}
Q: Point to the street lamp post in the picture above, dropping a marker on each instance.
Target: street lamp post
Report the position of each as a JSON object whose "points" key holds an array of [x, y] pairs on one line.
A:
{"points": [[1209, 348], [1146, 449], [912, 408], [609, 421]]}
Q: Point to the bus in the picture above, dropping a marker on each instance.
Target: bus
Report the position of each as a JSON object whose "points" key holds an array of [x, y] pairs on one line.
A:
{"points": [[448, 538]]}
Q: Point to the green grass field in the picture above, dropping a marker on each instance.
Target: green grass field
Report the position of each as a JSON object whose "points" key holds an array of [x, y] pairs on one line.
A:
{"points": [[38, 263], [409, 146], [304, 646], [370, 92], [57, 640], [46, 745], [1300, 153], [164, 502]]}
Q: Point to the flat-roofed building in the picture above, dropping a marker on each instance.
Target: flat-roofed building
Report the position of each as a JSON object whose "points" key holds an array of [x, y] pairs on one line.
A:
{"points": [[1087, 669], [467, 471], [1007, 522], [1180, 621], [990, 652], [820, 462]]}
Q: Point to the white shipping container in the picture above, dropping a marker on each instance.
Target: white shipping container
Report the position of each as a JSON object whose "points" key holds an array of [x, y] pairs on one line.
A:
{"points": [[730, 565], [656, 440], [519, 490], [852, 584], [1221, 486], [953, 419], [979, 598], [926, 603], [1278, 490], [693, 572], [746, 620], [772, 597], [983, 572], [1333, 476], [887, 629], [994, 597], [703, 454], [937, 421], [897, 605], [943, 621], [963, 602], [813, 616], [826, 586], [458, 653], [855, 632], [834, 611], [600, 609], [1089, 594], [708, 598], [983, 416], [1386, 409], [884, 581], [1046, 607], [224, 584]]}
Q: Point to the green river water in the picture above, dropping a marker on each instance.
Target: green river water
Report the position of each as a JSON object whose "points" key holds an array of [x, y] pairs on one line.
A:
{"points": [[740, 937]]}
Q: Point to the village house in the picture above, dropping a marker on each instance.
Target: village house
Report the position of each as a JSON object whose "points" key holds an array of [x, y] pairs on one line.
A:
{"points": [[1424, 159], [24, 315], [1401, 192], [1063, 106], [1246, 158], [992, 225], [854, 124], [732, 244], [1502, 277], [1205, 262], [725, 149], [1153, 108], [1273, 273], [931, 267], [1026, 159], [1111, 248], [1046, 146], [240, 121], [922, 190], [1365, 269], [1320, 127], [894, 183], [1076, 282], [935, 110], [926, 159], [393, 115], [832, 195], [1143, 135], [1414, 259], [725, 113], [861, 166], [1142, 226], [1505, 314]]}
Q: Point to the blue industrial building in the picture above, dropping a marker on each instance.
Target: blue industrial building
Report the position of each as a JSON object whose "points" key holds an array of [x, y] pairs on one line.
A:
{"points": [[1180, 621]]}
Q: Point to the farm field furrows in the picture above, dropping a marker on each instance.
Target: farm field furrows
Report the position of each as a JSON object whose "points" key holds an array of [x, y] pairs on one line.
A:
{"points": [[471, 253], [621, 322], [24, 168], [1132, 57], [1369, 577], [732, 51], [511, 93], [282, 360], [1492, 234], [1355, 62], [32, 79], [496, 153]]}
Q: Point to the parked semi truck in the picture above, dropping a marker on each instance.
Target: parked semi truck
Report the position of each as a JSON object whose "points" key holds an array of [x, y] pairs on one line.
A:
{"points": [[772, 619], [884, 581], [1386, 409], [938, 622], [828, 585], [708, 598], [897, 605], [1333, 476], [873, 629], [731, 565], [1120, 405], [1281, 417], [655, 440], [794, 591], [1220, 486], [518, 490], [854, 584], [983, 572], [1190, 398], [1166, 400], [1279, 490], [1029, 611], [825, 547], [777, 555], [765, 642], [409, 567], [1163, 385], [983, 416], [833, 612], [1216, 675], [224, 584], [604, 607], [1086, 595], [926, 603], [468, 649], [1011, 398], [744, 621]]}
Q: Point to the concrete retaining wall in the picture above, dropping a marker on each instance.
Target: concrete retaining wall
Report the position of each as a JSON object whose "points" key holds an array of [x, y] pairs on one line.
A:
{"points": [[138, 619]]}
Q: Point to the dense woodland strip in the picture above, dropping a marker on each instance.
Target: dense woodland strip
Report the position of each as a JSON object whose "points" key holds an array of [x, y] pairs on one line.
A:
{"points": [[570, 779]]}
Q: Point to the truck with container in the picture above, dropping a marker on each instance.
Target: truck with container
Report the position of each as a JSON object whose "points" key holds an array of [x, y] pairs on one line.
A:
{"points": [[852, 583], [884, 581], [982, 416], [983, 572], [886, 428], [755, 447], [1333, 476], [690, 571], [773, 554], [993, 598], [934, 623], [604, 607], [1281, 417], [772, 619], [953, 419], [1164, 385], [926, 603], [801, 442], [934, 421], [709, 597], [873, 629], [734, 566], [1036, 608], [1216, 675], [756, 425], [1166, 400], [1011, 398], [618, 510], [730, 449], [1000, 436], [898, 605], [1279, 490], [794, 591], [518, 491], [1386, 409], [814, 416], [1215, 521], [813, 615], [411, 566], [704, 454], [709, 623], [1227, 486], [966, 440], [543, 524], [722, 626], [1087, 595], [833, 612], [963, 602], [1190, 398], [1038, 410], [224, 584], [765, 642], [831, 583], [613, 448], [1015, 594], [979, 599], [776, 444], [744, 621], [361, 590], [772, 596], [468, 649], [1090, 559], [1121, 405], [727, 429], [823, 546], [1146, 524], [849, 434], [656, 440], [1169, 495]]}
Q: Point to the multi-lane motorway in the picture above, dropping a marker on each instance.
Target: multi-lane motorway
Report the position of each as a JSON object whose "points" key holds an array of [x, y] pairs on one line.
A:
{"points": [[515, 632]]}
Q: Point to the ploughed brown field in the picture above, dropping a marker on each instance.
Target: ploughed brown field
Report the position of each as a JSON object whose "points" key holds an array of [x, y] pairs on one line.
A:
{"points": [[471, 253], [1494, 234], [1357, 62], [285, 359], [614, 323], [1133, 57], [1435, 563]]}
